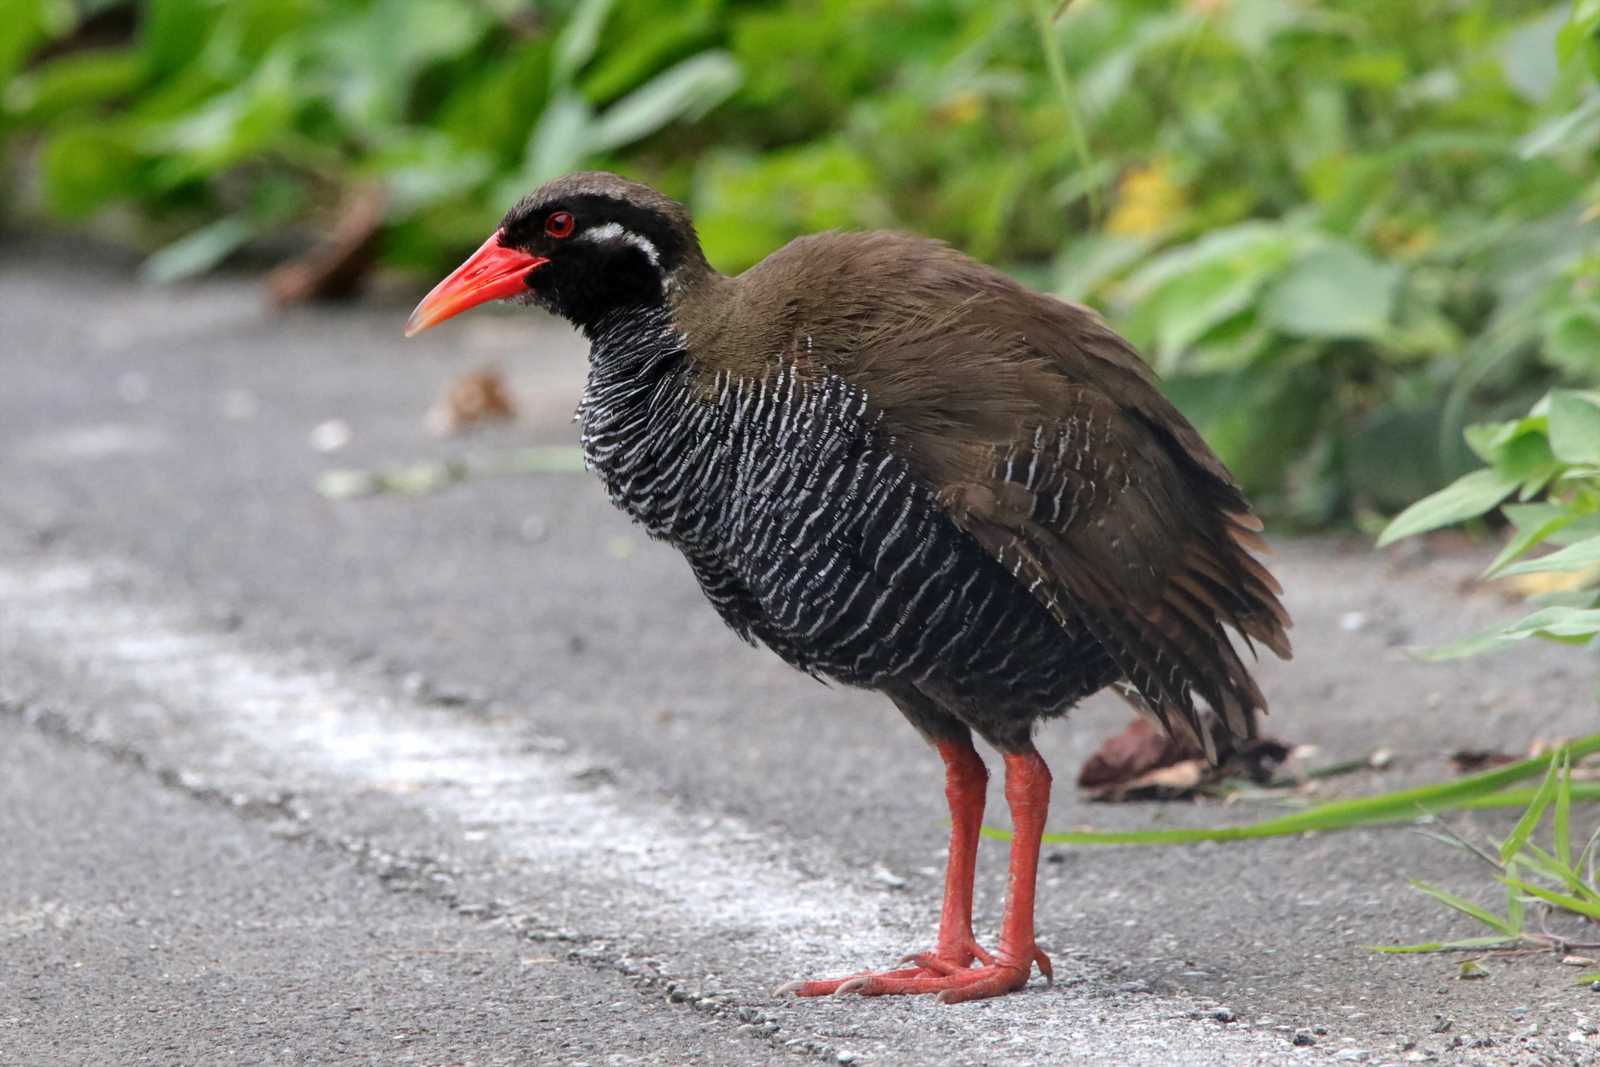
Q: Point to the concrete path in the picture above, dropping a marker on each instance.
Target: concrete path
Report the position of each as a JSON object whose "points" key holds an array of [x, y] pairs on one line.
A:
{"points": [[475, 777]]}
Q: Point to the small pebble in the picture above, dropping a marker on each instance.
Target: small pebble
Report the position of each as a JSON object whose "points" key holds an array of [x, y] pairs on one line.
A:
{"points": [[1303, 1038], [331, 436], [885, 876], [1223, 1015]]}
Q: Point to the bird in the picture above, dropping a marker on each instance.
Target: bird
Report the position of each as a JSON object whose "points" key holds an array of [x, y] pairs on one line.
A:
{"points": [[900, 469]]}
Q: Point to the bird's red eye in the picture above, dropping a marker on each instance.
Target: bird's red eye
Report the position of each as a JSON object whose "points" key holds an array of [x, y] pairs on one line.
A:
{"points": [[559, 224]]}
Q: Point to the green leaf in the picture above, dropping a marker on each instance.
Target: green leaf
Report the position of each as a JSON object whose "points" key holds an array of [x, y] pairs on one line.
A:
{"points": [[71, 82], [1467, 497], [1568, 624], [1526, 537], [684, 92], [1088, 262], [1566, 129], [1580, 37], [173, 32], [1575, 557], [1490, 441], [86, 167], [1574, 428], [558, 143], [578, 42], [1334, 291], [1185, 292], [25, 24]]}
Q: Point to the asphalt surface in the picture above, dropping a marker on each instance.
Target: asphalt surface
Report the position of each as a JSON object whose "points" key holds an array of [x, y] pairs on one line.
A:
{"points": [[476, 777]]}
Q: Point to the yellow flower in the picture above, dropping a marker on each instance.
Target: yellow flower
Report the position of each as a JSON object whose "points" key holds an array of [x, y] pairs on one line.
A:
{"points": [[1148, 201]]}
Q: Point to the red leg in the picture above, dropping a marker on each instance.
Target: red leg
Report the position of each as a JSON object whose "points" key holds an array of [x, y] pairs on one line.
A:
{"points": [[966, 782], [1028, 795]]}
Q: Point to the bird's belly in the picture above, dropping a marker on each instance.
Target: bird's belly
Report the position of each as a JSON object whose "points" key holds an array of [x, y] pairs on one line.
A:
{"points": [[857, 574], [928, 605]]}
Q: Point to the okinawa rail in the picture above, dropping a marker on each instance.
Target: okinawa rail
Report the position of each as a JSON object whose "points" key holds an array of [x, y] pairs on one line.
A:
{"points": [[900, 469]]}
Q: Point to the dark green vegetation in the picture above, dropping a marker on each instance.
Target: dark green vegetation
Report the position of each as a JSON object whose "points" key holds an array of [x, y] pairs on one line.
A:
{"points": [[1342, 230]]}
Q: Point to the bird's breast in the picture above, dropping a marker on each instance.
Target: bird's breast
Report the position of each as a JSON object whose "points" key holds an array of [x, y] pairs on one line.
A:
{"points": [[813, 532]]}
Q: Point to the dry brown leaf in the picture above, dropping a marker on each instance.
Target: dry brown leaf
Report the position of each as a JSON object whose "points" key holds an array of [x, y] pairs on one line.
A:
{"points": [[1143, 763], [1472, 760], [472, 399]]}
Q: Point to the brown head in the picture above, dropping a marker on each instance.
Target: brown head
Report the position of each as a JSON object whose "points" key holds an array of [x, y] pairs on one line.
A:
{"points": [[582, 246]]}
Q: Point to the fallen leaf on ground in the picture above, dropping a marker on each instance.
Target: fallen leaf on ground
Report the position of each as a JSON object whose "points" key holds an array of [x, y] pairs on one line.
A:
{"points": [[1143, 763], [472, 399], [1472, 760], [1520, 587], [337, 265]]}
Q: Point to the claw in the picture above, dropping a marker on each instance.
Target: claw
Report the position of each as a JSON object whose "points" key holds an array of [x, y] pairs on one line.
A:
{"points": [[952, 981]]}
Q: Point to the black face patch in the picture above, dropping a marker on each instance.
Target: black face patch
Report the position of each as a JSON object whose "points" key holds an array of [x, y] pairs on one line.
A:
{"points": [[524, 226], [597, 268]]}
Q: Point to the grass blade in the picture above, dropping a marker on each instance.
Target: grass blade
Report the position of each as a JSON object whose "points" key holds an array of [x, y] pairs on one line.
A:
{"points": [[1467, 907], [1531, 816], [1560, 900], [1057, 66], [1516, 907], [1563, 818], [1521, 798], [1464, 945]]}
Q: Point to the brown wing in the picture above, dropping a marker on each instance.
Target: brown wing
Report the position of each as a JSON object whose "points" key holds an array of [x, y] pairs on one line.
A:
{"points": [[1047, 440]]}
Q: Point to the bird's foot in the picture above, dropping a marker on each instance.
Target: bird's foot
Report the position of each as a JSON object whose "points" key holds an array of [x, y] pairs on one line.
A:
{"points": [[950, 974]]}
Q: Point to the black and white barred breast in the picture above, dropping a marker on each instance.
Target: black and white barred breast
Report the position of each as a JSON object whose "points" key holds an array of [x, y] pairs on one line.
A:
{"points": [[809, 533]]}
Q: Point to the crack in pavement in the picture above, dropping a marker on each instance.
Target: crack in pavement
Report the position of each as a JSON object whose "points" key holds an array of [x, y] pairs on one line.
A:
{"points": [[412, 873]]}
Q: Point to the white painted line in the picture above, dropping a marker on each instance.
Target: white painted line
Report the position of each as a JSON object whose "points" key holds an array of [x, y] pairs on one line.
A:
{"points": [[250, 717], [753, 907]]}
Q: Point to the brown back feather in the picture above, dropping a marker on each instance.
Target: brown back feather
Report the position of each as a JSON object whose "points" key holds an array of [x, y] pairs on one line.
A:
{"points": [[1045, 437]]}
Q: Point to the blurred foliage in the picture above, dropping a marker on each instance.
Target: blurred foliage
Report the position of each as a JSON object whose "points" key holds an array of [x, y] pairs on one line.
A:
{"points": [[1542, 474], [1340, 229]]}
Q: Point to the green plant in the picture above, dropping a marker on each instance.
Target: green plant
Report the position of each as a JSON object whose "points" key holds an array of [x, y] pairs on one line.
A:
{"points": [[1559, 879], [1342, 230], [1548, 462]]}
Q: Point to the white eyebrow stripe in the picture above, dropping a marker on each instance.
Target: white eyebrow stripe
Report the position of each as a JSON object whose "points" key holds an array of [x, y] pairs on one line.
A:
{"points": [[613, 231]]}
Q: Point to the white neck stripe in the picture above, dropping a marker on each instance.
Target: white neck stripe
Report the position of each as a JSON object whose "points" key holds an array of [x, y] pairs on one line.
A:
{"points": [[613, 231]]}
